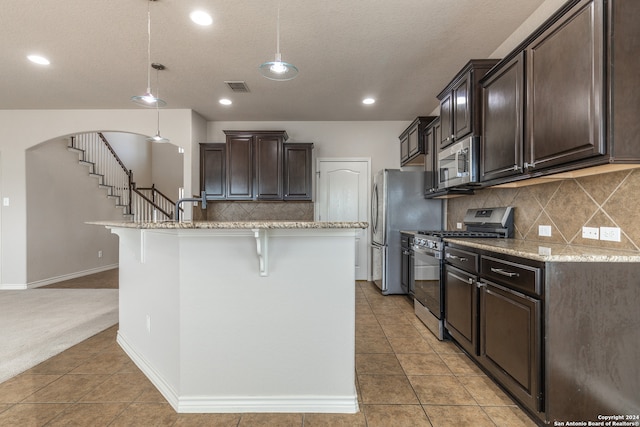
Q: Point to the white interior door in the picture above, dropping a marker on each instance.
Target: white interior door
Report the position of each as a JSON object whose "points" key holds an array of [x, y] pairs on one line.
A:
{"points": [[343, 194]]}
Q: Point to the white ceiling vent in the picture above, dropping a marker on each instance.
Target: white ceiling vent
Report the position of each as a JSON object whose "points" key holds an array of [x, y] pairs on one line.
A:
{"points": [[238, 86]]}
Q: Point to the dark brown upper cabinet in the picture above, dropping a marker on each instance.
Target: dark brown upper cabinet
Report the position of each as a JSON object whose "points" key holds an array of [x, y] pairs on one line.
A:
{"points": [[565, 102], [269, 166], [213, 175], [502, 121], [298, 169], [412, 146], [254, 164], [460, 102]]}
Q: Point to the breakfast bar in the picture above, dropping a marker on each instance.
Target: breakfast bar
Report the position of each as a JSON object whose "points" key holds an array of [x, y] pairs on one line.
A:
{"points": [[241, 316]]}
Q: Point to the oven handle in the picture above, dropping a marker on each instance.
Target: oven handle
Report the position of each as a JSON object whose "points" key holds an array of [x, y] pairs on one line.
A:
{"points": [[429, 252]]}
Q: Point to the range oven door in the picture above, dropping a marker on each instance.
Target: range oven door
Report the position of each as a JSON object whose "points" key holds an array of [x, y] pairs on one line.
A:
{"points": [[427, 279]]}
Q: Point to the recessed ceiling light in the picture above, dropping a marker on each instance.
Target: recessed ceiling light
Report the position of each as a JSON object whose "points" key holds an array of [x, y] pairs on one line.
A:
{"points": [[225, 101], [37, 59], [201, 18], [368, 101]]}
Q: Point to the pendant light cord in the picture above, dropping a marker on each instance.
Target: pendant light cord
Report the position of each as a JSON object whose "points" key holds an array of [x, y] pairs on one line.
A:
{"points": [[149, 46], [278, 32]]}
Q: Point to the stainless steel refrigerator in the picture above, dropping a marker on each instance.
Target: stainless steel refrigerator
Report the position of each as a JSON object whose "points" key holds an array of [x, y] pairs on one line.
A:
{"points": [[397, 204]]}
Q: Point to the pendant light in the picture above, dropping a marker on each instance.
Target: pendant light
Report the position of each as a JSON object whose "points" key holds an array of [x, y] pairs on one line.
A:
{"points": [[277, 69], [158, 138], [148, 99]]}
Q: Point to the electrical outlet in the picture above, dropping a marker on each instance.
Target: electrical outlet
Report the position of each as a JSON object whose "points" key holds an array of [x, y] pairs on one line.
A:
{"points": [[99, 254], [590, 233], [543, 250], [459, 225], [611, 234], [544, 230]]}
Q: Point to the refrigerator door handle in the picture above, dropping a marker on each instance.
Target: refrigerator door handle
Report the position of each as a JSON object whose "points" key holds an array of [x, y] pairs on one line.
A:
{"points": [[374, 209]]}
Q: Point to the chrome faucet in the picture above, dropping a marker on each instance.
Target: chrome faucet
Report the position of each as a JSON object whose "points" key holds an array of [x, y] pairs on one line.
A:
{"points": [[202, 199]]}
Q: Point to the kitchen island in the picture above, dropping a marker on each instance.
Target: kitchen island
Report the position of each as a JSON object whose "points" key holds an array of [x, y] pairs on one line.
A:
{"points": [[241, 316]]}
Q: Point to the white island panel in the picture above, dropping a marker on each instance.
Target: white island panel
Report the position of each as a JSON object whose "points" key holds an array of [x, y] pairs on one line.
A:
{"points": [[214, 335]]}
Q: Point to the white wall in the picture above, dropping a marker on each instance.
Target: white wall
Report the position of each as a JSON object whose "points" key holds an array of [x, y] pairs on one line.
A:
{"points": [[167, 169], [61, 197], [22, 129], [544, 11], [135, 153]]}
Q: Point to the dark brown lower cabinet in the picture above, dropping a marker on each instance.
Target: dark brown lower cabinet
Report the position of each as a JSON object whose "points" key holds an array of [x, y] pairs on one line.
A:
{"points": [[461, 307], [510, 331], [560, 334]]}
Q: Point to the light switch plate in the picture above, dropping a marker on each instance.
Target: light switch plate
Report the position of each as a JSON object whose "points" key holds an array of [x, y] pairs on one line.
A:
{"points": [[590, 233]]}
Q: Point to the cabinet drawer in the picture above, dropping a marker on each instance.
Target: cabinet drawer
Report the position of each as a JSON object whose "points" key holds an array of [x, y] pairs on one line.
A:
{"points": [[526, 278], [468, 261]]}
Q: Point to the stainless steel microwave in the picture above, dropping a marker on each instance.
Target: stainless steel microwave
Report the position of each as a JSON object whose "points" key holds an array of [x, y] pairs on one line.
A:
{"points": [[458, 163]]}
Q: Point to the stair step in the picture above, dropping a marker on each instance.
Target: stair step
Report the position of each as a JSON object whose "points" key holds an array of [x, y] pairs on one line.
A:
{"points": [[75, 150], [86, 163], [96, 175]]}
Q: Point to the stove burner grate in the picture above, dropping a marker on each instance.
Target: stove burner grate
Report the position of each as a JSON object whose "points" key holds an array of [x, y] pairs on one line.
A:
{"points": [[460, 233]]}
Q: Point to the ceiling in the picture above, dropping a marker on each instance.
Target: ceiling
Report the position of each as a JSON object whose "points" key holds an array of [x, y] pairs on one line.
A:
{"points": [[400, 52]]}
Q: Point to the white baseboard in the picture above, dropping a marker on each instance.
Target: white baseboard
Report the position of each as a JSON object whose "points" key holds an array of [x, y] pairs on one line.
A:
{"points": [[156, 379], [240, 404], [10, 287], [52, 280], [291, 404]]}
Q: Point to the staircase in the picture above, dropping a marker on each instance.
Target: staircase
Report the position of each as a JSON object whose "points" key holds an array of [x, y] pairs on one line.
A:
{"points": [[138, 204]]}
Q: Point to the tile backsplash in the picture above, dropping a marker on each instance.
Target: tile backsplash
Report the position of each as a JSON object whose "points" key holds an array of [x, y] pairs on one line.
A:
{"points": [[606, 200], [255, 211]]}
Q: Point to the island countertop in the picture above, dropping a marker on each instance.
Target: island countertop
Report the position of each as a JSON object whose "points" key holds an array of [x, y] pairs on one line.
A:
{"points": [[203, 225], [549, 252]]}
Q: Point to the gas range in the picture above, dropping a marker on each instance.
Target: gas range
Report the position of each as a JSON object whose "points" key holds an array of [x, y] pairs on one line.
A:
{"points": [[426, 284], [480, 223]]}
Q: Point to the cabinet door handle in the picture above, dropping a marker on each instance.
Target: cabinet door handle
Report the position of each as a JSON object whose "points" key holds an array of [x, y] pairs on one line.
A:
{"points": [[461, 259], [504, 272], [406, 253], [528, 165]]}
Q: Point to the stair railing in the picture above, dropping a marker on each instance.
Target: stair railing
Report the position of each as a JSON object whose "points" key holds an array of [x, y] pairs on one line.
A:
{"points": [[97, 153], [143, 204], [150, 204]]}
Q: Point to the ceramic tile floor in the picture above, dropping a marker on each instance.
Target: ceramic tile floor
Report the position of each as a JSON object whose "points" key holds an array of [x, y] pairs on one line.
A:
{"points": [[405, 377]]}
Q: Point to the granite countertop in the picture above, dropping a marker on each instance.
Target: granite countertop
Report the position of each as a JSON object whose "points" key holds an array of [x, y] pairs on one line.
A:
{"points": [[186, 225], [551, 252]]}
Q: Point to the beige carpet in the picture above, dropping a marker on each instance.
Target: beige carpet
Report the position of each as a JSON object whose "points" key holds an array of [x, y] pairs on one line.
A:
{"points": [[36, 324]]}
